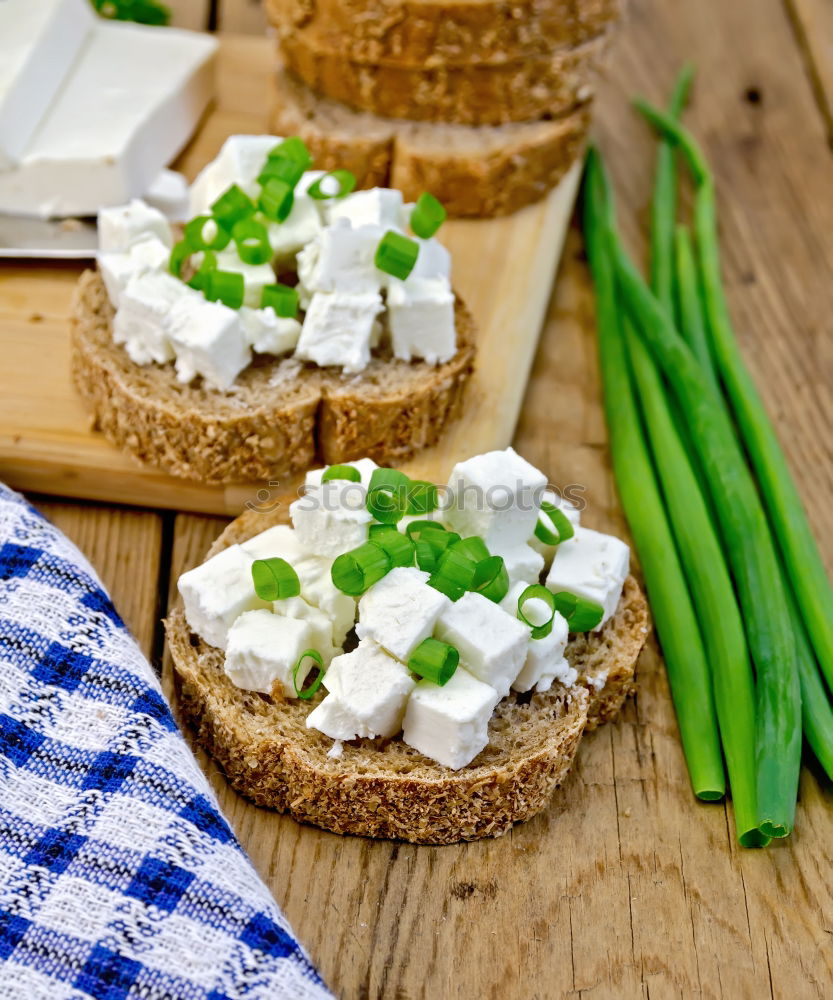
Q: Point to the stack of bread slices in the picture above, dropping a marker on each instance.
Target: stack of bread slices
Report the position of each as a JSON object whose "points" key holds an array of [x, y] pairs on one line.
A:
{"points": [[485, 103]]}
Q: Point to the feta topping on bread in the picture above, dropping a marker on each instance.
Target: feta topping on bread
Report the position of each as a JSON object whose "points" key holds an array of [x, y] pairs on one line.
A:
{"points": [[591, 565], [208, 340], [264, 647], [327, 529], [400, 611], [120, 227]]}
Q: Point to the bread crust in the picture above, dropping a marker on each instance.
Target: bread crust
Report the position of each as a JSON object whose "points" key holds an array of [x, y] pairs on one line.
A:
{"points": [[478, 171], [426, 33], [279, 417], [384, 788]]}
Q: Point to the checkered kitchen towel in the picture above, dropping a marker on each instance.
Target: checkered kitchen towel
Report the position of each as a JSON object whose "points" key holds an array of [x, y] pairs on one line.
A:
{"points": [[119, 877]]}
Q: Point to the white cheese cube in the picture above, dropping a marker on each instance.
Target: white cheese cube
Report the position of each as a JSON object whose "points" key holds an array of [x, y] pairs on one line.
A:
{"points": [[216, 593], [268, 333], [300, 227], [337, 329], [400, 611], [450, 724], [342, 259], [545, 661], [522, 562], [264, 647], [144, 307], [497, 496], [208, 340], [368, 693], [376, 207], [325, 527], [569, 509], [591, 565], [433, 261], [240, 161], [278, 541], [421, 320], [255, 276], [364, 466], [169, 194], [119, 228], [492, 644], [116, 269], [320, 624]]}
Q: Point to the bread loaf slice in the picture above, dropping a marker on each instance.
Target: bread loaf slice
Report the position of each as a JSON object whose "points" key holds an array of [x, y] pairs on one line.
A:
{"points": [[280, 416], [427, 33], [475, 170], [384, 788], [525, 89]]}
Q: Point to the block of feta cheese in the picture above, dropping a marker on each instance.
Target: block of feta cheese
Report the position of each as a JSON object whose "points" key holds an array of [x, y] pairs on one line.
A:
{"points": [[368, 691], [240, 161], [129, 104], [217, 592], [337, 329], [421, 320], [144, 306], [522, 562], [433, 260], [116, 269], [208, 340], [497, 496], [255, 276], [570, 510], [450, 724], [400, 611], [492, 644], [169, 194], [545, 661], [120, 226], [39, 42], [325, 526], [377, 207], [264, 647], [320, 624], [300, 227], [268, 333], [364, 466], [591, 565], [341, 258]]}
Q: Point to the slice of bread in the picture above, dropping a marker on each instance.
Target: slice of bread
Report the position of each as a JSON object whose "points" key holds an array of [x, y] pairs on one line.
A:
{"points": [[384, 788], [425, 33], [280, 416], [475, 170], [525, 89]]}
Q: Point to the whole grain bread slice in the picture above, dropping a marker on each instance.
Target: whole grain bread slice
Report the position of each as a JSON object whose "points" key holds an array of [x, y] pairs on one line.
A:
{"points": [[384, 788], [475, 170], [426, 33], [525, 89], [280, 416]]}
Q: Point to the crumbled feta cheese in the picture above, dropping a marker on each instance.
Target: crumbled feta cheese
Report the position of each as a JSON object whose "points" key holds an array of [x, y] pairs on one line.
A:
{"points": [[377, 207], [144, 305], [208, 340], [522, 562], [591, 565], [400, 611], [336, 751], [216, 593], [421, 320], [300, 227], [255, 276], [545, 661], [492, 644], [342, 259], [368, 692], [119, 228], [264, 647], [327, 530], [268, 333], [497, 496], [450, 724], [147, 255], [320, 624], [239, 162], [337, 329], [569, 509]]}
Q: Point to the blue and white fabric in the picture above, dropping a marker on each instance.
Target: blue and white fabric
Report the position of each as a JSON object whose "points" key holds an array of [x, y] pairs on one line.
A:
{"points": [[119, 877]]}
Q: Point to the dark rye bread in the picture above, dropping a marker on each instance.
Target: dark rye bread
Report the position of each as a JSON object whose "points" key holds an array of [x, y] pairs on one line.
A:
{"points": [[475, 170], [384, 788], [525, 89], [280, 416], [426, 33]]}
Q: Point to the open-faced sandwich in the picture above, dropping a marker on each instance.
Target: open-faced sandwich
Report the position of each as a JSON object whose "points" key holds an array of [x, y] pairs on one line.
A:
{"points": [[291, 319], [404, 661]]}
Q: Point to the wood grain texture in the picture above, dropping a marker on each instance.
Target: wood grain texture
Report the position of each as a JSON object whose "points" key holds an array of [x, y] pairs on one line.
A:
{"points": [[813, 22], [242, 17], [192, 14]]}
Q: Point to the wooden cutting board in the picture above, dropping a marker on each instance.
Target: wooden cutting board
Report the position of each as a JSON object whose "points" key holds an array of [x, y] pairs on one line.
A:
{"points": [[504, 268]]}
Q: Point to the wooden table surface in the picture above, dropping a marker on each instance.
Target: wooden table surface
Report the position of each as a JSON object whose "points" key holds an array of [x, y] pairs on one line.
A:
{"points": [[626, 887]]}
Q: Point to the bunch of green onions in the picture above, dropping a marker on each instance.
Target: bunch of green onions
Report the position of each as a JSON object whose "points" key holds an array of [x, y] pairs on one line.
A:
{"points": [[742, 604]]}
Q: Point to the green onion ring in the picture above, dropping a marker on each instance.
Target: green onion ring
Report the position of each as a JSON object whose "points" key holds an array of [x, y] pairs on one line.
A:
{"points": [[582, 615], [434, 661], [355, 571], [275, 579], [563, 526], [308, 693], [536, 591]]}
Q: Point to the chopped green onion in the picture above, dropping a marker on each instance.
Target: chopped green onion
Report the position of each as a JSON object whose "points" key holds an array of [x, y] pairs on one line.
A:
{"points": [[307, 693], [345, 180], [348, 473], [398, 546], [208, 263], [355, 571], [537, 592], [224, 286], [491, 579], [181, 251], [435, 661], [281, 168], [582, 615], [232, 206], [387, 496], [252, 241], [396, 254], [562, 526], [195, 233], [282, 298], [275, 579], [422, 497], [293, 148], [445, 585], [418, 527], [454, 574], [473, 548], [428, 215], [276, 199]]}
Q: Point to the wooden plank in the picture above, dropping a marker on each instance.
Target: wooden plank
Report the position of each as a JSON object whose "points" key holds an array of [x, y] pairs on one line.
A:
{"points": [[242, 17], [46, 443], [192, 14], [813, 21]]}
